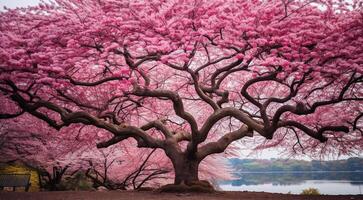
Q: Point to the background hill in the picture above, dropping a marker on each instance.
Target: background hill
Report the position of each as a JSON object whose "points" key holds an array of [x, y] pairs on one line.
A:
{"points": [[261, 165]]}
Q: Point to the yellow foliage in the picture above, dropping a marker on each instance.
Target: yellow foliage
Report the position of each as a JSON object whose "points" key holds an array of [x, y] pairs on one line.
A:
{"points": [[310, 191], [18, 169]]}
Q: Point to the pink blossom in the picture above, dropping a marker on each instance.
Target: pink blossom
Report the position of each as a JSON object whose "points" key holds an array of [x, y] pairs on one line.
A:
{"points": [[185, 77], [240, 56]]}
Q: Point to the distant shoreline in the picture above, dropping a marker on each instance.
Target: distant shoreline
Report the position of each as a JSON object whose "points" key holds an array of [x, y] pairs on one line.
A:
{"points": [[270, 172], [299, 166]]}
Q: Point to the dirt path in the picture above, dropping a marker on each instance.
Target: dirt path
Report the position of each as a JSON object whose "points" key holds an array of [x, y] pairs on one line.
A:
{"points": [[128, 195]]}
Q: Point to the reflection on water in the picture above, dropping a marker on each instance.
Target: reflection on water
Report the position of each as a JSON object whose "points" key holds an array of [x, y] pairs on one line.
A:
{"points": [[295, 182]]}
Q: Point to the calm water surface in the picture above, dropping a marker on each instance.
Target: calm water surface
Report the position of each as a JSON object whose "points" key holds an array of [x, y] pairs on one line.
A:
{"points": [[294, 182]]}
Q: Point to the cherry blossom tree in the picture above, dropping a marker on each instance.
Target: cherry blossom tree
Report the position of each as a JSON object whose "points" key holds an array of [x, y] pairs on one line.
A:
{"points": [[37, 146], [56, 155], [61, 155], [190, 77]]}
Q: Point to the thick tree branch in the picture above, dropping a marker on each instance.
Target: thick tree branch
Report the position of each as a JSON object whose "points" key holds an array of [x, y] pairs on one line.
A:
{"points": [[175, 98], [314, 134], [8, 116], [201, 93], [99, 82], [182, 136], [68, 117], [224, 69], [228, 112], [250, 82], [220, 145], [158, 125]]}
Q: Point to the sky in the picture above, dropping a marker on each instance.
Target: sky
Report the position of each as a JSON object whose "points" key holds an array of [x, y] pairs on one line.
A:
{"points": [[266, 154], [17, 3]]}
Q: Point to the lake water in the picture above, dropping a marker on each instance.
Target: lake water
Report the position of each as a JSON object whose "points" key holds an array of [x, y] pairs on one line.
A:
{"points": [[338, 182]]}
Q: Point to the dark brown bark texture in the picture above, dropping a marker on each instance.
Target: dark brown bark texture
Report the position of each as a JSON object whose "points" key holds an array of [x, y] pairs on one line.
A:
{"points": [[186, 170]]}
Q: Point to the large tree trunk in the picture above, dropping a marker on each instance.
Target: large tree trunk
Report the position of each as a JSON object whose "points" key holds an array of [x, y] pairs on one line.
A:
{"points": [[186, 176], [186, 166], [186, 170]]}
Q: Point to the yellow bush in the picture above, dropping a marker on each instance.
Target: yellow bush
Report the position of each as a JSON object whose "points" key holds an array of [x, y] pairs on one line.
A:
{"points": [[310, 191], [18, 169]]}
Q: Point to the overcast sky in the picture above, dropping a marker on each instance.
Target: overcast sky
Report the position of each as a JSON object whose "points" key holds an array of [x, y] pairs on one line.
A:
{"points": [[17, 3]]}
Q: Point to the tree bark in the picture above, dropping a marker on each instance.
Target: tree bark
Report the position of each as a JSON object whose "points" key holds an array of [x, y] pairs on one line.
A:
{"points": [[186, 170]]}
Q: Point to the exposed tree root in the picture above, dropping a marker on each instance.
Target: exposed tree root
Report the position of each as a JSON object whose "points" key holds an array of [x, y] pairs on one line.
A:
{"points": [[195, 186]]}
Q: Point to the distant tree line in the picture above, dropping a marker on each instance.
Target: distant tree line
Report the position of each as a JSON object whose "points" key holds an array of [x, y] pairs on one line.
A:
{"points": [[259, 165]]}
